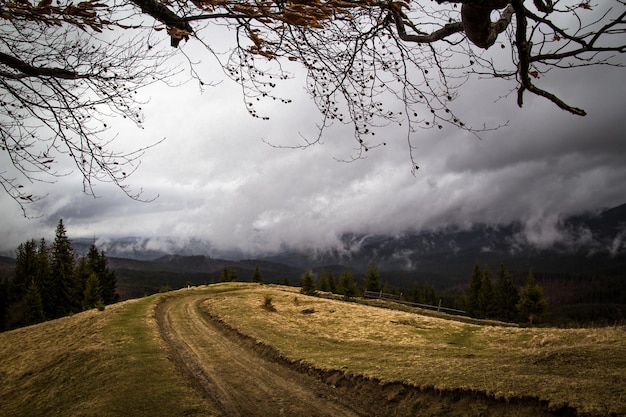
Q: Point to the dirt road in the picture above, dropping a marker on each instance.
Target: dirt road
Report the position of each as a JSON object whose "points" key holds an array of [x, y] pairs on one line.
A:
{"points": [[239, 381], [243, 378]]}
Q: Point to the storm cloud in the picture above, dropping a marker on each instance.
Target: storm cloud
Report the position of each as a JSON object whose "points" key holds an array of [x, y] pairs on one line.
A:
{"points": [[215, 178]]}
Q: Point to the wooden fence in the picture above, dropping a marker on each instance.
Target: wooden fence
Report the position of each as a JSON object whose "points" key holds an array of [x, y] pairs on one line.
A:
{"points": [[398, 299]]}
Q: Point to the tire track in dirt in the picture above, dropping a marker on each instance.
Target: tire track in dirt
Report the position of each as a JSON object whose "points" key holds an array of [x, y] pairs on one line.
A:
{"points": [[235, 378], [242, 378]]}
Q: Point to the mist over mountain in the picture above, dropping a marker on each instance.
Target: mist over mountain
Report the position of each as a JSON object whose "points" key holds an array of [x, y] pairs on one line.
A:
{"points": [[579, 261], [582, 240]]}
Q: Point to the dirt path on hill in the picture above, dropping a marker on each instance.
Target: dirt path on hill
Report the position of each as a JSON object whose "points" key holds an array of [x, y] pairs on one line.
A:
{"points": [[235, 378], [243, 378]]}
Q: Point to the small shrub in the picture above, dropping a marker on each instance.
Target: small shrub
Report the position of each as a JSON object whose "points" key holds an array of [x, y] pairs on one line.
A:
{"points": [[267, 303], [165, 288], [100, 305]]}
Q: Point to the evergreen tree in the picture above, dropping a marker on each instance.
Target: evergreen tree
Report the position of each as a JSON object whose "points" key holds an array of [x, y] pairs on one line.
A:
{"points": [[18, 285], [332, 284], [346, 286], [82, 273], [429, 295], [322, 282], [92, 295], [4, 304], [33, 305], [63, 293], [307, 283], [108, 285], [485, 296], [506, 296], [224, 276], [372, 278], [256, 275], [106, 277], [25, 270], [472, 299], [532, 304], [232, 274], [414, 295], [43, 277]]}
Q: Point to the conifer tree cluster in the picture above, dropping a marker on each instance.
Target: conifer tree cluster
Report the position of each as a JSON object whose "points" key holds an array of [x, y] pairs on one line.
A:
{"points": [[50, 282], [502, 299], [345, 285], [423, 294], [327, 282], [229, 274]]}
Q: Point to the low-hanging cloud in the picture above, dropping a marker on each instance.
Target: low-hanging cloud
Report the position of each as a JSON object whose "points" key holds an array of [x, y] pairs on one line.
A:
{"points": [[219, 181]]}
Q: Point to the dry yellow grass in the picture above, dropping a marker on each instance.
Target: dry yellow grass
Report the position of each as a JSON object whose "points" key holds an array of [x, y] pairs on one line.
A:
{"points": [[582, 368], [108, 363], [114, 362]]}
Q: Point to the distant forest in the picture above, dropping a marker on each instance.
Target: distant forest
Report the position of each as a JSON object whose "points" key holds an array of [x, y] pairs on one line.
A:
{"points": [[570, 299], [49, 282]]}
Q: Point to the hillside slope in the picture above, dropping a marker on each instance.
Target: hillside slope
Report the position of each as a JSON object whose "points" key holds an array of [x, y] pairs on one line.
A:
{"points": [[169, 354], [108, 363]]}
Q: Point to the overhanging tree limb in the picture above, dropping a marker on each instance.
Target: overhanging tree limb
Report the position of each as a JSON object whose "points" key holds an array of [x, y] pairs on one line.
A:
{"points": [[24, 69], [369, 64], [523, 48]]}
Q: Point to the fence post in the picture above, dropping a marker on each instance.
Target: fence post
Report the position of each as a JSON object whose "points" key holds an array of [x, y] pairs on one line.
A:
{"points": [[439, 306]]}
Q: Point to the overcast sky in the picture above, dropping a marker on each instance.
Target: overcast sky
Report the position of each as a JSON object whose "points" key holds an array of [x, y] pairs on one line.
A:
{"points": [[217, 180]]}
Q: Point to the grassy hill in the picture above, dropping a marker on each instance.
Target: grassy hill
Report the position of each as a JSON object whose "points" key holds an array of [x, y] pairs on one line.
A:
{"points": [[114, 362], [107, 363]]}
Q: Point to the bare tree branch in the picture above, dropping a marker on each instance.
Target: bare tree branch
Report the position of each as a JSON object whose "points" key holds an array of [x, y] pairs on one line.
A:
{"points": [[369, 64]]}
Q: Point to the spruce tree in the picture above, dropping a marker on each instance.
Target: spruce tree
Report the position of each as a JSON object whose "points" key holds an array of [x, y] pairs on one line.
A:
{"points": [[232, 274], [372, 278], [485, 296], [108, 284], [23, 298], [506, 296], [92, 295], [415, 294], [25, 270], [81, 274], [473, 296], [346, 286], [106, 277], [64, 295], [224, 275], [307, 283], [4, 303], [43, 277], [323, 284], [33, 305], [256, 275], [332, 284], [532, 304], [429, 294]]}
